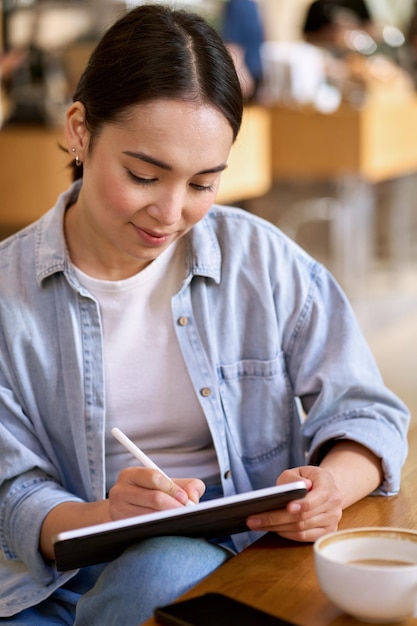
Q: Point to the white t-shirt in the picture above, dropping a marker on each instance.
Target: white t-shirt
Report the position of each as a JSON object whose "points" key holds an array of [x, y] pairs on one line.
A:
{"points": [[149, 394]]}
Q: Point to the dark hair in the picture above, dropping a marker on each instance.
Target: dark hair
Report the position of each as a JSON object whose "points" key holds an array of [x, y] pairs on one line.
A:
{"points": [[154, 52], [323, 13]]}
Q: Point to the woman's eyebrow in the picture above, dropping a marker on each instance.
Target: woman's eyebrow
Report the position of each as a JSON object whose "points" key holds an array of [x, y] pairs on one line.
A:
{"points": [[142, 156]]}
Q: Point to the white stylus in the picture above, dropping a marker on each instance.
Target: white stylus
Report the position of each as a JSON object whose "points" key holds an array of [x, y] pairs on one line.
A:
{"points": [[139, 454]]}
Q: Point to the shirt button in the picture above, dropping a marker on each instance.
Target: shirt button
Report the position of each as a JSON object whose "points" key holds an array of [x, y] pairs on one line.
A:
{"points": [[205, 392], [227, 474], [183, 320]]}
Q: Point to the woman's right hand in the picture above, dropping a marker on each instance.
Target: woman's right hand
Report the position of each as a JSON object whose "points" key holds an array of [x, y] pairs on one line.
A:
{"points": [[137, 491], [140, 490]]}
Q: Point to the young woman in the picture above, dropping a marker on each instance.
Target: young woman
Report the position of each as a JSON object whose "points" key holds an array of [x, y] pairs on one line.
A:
{"points": [[138, 303]]}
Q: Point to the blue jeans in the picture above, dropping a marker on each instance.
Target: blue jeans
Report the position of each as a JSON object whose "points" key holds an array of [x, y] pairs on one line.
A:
{"points": [[125, 591]]}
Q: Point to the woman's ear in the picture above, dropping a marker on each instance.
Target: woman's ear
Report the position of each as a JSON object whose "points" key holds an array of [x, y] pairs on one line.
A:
{"points": [[76, 133]]}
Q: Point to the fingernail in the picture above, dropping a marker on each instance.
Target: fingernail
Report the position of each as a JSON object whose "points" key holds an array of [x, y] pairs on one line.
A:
{"points": [[254, 523], [182, 497], [195, 496]]}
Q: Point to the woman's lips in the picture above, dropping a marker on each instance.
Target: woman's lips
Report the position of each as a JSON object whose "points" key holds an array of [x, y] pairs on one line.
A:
{"points": [[151, 237]]}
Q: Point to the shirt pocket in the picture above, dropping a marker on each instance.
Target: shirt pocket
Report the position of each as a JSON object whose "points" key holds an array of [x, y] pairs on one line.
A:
{"points": [[256, 402]]}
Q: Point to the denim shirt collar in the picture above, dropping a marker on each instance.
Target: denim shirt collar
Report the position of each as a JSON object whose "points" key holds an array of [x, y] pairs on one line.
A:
{"points": [[203, 250]]}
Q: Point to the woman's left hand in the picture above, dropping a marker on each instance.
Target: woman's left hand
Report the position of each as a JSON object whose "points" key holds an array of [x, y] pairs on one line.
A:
{"points": [[308, 518]]}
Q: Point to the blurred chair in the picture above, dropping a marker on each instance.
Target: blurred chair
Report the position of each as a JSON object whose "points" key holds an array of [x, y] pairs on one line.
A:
{"points": [[348, 217]]}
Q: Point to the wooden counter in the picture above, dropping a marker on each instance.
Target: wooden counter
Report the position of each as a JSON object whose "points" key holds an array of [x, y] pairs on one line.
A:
{"points": [[249, 173], [278, 576], [352, 149], [34, 170], [33, 174], [377, 142]]}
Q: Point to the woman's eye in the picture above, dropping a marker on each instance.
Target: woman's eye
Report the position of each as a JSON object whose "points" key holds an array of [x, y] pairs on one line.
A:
{"points": [[140, 180], [202, 187]]}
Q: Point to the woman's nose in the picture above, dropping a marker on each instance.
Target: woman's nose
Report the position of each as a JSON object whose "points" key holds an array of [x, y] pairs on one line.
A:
{"points": [[168, 208]]}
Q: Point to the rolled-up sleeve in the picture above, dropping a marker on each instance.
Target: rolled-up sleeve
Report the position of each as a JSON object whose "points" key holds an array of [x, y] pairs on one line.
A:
{"points": [[340, 386], [24, 504]]}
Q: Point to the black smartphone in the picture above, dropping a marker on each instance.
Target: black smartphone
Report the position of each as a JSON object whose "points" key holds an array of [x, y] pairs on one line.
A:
{"points": [[215, 609]]}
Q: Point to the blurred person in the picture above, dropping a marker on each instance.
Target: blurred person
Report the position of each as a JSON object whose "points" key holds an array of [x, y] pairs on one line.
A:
{"points": [[410, 58], [243, 33], [10, 61], [326, 21]]}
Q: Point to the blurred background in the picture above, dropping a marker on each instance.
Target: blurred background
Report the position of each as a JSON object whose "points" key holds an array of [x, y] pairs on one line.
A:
{"points": [[328, 148]]}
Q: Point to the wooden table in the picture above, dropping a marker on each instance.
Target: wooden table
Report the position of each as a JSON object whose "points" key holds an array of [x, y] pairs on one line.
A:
{"points": [[34, 170], [278, 576]]}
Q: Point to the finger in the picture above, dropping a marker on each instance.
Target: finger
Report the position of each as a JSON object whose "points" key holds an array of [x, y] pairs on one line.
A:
{"points": [[309, 528], [132, 501], [308, 535], [154, 480], [324, 495], [140, 490], [302, 530], [323, 515], [194, 487], [293, 475]]}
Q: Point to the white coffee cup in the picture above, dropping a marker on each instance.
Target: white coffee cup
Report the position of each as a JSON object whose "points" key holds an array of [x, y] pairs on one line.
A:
{"points": [[370, 573]]}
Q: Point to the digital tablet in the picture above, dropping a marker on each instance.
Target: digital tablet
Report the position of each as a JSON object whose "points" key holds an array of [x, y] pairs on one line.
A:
{"points": [[214, 518]]}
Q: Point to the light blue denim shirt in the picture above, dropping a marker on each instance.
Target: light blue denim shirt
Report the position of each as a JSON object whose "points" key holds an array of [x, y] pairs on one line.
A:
{"points": [[259, 323]]}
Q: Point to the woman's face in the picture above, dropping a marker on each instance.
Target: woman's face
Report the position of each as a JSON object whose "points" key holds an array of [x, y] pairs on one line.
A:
{"points": [[146, 182]]}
